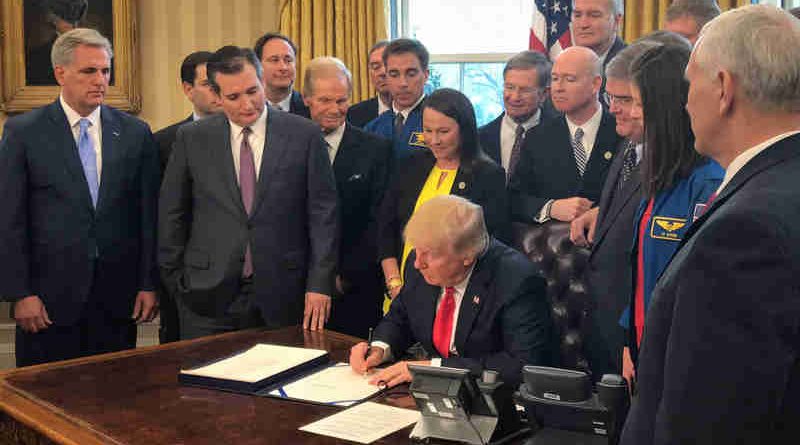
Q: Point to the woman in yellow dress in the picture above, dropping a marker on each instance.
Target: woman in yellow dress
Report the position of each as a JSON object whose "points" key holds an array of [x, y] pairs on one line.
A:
{"points": [[454, 164]]}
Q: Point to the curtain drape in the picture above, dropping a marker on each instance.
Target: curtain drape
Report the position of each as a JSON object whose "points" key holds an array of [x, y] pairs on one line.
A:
{"points": [[346, 29], [644, 16]]}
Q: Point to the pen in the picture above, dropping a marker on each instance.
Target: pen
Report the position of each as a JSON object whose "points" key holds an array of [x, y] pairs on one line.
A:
{"points": [[369, 345]]}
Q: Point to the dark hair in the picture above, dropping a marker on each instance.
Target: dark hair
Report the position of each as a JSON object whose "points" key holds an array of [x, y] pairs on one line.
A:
{"points": [[531, 60], [665, 37], [702, 11], [455, 105], [230, 60], [259, 46], [190, 63], [669, 153], [403, 46], [378, 45]]}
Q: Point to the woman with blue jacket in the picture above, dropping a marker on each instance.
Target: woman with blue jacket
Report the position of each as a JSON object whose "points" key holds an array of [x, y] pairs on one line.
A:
{"points": [[677, 182]]}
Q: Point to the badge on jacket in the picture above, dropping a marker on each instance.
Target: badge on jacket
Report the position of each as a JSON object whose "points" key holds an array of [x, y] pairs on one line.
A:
{"points": [[667, 228], [417, 139]]}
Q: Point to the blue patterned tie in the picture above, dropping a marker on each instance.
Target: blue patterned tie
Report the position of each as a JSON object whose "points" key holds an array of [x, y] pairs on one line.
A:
{"points": [[88, 159]]}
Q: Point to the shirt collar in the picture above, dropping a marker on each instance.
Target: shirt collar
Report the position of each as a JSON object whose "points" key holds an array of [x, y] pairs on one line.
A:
{"points": [[527, 125], [408, 110], [461, 287], [591, 126], [73, 117], [334, 138], [285, 104], [258, 127], [382, 106], [747, 155]]}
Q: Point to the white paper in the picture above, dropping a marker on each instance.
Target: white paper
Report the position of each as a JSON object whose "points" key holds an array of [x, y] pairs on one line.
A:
{"points": [[257, 363], [335, 385], [364, 423]]}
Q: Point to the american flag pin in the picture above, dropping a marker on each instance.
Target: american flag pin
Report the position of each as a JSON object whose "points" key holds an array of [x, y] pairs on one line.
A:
{"points": [[476, 299]]}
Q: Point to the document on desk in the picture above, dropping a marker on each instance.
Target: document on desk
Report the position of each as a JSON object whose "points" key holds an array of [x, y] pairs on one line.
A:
{"points": [[364, 423], [335, 385], [257, 363]]}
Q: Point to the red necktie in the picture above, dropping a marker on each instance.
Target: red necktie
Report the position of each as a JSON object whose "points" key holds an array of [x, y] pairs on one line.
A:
{"points": [[443, 324]]}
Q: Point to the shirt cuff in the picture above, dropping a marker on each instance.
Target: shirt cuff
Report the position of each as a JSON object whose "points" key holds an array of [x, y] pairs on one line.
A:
{"points": [[544, 212], [387, 350], [437, 362]]}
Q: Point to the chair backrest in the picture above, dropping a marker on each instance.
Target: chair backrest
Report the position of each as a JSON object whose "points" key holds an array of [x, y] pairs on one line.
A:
{"points": [[561, 263]]}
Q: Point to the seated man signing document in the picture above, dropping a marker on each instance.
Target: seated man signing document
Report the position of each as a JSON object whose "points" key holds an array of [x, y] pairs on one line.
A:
{"points": [[470, 301]]}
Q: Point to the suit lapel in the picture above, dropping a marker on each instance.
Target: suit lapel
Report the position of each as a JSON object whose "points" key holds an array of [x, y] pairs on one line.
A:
{"points": [[619, 200], [276, 144], [112, 151], [471, 304], [223, 157], [603, 149], [69, 150], [462, 184], [428, 296], [345, 154]]}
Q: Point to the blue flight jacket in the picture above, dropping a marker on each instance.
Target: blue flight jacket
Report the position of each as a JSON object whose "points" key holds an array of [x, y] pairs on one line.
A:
{"points": [[410, 140], [674, 210]]}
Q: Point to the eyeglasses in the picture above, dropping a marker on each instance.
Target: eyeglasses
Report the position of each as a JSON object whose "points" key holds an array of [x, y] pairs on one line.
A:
{"points": [[622, 101], [522, 91]]}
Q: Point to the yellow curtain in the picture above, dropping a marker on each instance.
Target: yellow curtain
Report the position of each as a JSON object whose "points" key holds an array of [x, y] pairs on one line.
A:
{"points": [[644, 16], [346, 29]]}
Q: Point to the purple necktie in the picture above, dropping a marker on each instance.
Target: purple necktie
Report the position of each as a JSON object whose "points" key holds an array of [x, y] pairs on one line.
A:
{"points": [[247, 185]]}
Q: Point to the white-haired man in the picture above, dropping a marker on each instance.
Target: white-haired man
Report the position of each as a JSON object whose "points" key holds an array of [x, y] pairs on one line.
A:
{"points": [[472, 302], [719, 358]]}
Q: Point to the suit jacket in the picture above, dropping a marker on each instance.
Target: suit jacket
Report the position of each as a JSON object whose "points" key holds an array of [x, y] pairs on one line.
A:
{"points": [[297, 106], [363, 112], [489, 134], [361, 168], [482, 183], [165, 137], [608, 274], [503, 324], [719, 361], [292, 231], [547, 168], [56, 244]]}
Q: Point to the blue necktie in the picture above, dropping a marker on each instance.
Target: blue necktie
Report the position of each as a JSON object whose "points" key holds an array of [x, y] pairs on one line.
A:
{"points": [[88, 159]]}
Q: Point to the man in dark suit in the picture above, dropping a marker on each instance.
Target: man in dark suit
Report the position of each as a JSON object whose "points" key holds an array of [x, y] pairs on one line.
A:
{"points": [[471, 301], [204, 101], [564, 162], [247, 215], [278, 55], [608, 228], [526, 86], [363, 112], [360, 165], [79, 185], [719, 361]]}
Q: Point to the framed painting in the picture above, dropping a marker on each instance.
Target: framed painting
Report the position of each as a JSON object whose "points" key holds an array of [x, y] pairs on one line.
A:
{"points": [[29, 28]]}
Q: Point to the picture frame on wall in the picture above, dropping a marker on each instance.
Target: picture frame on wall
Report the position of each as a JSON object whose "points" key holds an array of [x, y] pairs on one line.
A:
{"points": [[29, 28]]}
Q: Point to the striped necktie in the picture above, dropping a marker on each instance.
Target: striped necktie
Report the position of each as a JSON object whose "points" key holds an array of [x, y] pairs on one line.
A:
{"points": [[579, 151]]}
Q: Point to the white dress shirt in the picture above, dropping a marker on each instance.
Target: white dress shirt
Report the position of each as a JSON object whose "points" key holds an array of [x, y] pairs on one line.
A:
{"points": [[95, 131], [334, 139], [458, 296], [382, 106], [285, 104], [508, 134], [747, 155], [257, 140], [590, 129]]}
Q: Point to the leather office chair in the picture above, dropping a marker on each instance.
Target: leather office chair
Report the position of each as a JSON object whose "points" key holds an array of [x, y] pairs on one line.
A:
{"points": [[561, 263]]}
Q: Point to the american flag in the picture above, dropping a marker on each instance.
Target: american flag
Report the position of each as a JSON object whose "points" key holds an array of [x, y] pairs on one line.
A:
{"points": [[550, 33]]}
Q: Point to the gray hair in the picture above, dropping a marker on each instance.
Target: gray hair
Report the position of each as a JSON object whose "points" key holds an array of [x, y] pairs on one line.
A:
{"points": [[759, 45], [617, 7], [702, 11], [531, 60], [325, 67], [65, 45], [620, 66]]}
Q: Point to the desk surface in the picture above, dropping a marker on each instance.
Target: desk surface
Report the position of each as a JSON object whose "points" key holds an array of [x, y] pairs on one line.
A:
{"points": [[133, 397]]}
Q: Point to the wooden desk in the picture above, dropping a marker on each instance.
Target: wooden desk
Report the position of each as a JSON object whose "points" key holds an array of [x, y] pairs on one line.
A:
{"points": [[133, 397]]}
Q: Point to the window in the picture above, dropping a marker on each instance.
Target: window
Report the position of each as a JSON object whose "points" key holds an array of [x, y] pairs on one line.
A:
{"points": [[785, 4], [469, 42]]}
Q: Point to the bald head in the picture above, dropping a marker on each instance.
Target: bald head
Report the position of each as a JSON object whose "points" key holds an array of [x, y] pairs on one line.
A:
{"points": [[575, 83]]}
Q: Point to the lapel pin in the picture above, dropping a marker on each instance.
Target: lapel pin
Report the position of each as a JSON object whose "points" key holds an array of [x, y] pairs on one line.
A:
{"points": [[608, 155], [476, 299], [462, 185]]}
